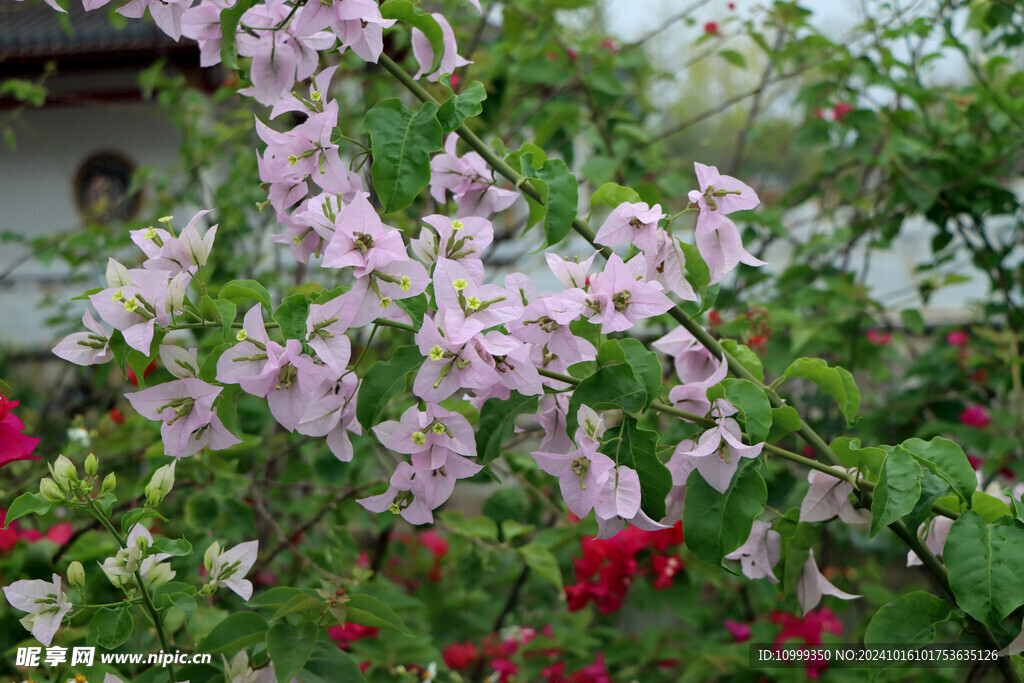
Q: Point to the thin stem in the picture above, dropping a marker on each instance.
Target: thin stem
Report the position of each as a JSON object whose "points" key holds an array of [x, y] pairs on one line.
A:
{"points": [[147, 600]]}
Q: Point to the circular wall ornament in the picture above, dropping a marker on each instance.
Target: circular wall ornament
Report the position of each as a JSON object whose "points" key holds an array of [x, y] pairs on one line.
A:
{"points": [[101, 188]]}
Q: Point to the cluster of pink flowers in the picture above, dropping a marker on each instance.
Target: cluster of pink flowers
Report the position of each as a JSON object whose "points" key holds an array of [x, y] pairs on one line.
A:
{"points": [[608, 567], [484, 338], [60, 533]]}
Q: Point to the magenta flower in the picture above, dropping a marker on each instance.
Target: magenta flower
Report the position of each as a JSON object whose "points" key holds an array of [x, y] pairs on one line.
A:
{"points": [[185, 406], [740, 631], [957, 338], [879, 338], [13, 444], [975, 416]]}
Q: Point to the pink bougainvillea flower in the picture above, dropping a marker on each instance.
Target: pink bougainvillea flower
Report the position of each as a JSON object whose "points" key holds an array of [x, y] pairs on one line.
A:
{"points": [[631, 224], [424, 51], [719, 449], [828, 497], [975, 416], [185, 406], [934, 534], [432, 432], [86, 348], [470, 181], [619, 296], [761, 551], [13, 444], [166, 13], [812, 586], [740, 631], [717, 237]]}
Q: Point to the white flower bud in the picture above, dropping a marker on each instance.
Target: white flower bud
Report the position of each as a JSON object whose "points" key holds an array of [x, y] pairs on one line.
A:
{"points": [[64, 472], [50, 491], [160, 484], [92, 464], [109, 482], [76, 574]]}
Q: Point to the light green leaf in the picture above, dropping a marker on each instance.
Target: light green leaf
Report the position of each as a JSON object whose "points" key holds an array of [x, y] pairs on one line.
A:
{"points": [[734, 58], [401, 142], [176, 547], [837, 383], [785, 420], [560, 191], [291, 316], [868, 460], [457, 108], [27, 504], [745, 356], [541, 561], [245, 290], [110, 627], [613, 194], [909, 620]]}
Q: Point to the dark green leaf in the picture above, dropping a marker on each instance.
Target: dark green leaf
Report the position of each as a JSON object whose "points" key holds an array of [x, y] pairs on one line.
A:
{"points": [[613, 386], [946, 459], [383, 382], [897, 491], [415, 307], [290, 647], [110, 627], [909, 620], [401, 142], [228, 26], [218, 309], [369, 611], [467, 104], [984, 562], [715, 524], [291, 316], [559, 189], [644, 362], [497, 423], [633, 447], [752, 401], [133, 517], [785, 420], [329, 664]]}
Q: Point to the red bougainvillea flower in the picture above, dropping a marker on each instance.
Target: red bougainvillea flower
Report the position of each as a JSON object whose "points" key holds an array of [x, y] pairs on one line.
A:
{"points": [[841, 110], [460, 656], [957, 338], [117, 416], [344, 634], [740, 631], [13, 444], [879, 338], [711, 28], [975, 416]]}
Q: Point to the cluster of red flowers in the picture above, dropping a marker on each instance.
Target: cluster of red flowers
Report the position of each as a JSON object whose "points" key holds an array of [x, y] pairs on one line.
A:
{"points": [[59, 533], [13, 444], [808, 628], [498, 652], [431, 541], [606, 570]]}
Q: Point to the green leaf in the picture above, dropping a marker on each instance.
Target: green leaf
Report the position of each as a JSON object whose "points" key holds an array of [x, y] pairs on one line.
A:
{"points": [[560, 193], [277, 596], [465, 105], [383, 382], [497, 423], [290, 647], [476, 527], [745, 356], [752, 401], [87, 293], [868, 460], [415, 307], [796, 539], [133, 517], [291, 316], [369, 611], [984, 563], [228, 27], [245, 290], [785, 420], [912, 320], [715, 524], [541, 561], [329, 664], [629, 445], [110, 627], [946, 459], [697, 272], [613, 194], [176, 547], [734, 58], [410, 14], [401, 142], [644, 362], [909, 620], [837, 383], [238, 631], [27, 504], [613, 386], [218, 309], [297, 603], [897, 491]]}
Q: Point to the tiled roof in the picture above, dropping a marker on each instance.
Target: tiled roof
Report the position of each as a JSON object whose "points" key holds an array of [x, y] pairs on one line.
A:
{"points": [[32, 29]]}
